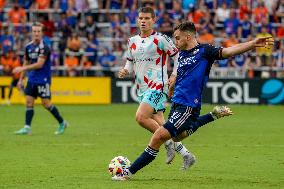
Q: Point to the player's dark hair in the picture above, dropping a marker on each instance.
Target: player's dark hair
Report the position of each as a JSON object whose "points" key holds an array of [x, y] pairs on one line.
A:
{"points": [[186, 27], [147, 10], [38, 24]]}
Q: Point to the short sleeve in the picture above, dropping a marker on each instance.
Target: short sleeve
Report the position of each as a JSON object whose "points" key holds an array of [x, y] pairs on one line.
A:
{"points": [[213, 53], [169, 46]]}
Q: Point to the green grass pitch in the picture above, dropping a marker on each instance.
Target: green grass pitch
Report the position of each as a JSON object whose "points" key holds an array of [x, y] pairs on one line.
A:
{"points": [[242, 151]]}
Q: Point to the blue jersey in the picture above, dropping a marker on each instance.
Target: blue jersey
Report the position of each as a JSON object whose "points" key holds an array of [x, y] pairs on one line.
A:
{"points": [[32, 52], [193, 72]]}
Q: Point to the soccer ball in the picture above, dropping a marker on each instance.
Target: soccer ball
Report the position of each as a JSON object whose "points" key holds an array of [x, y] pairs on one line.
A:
{"points": [[117, 165]]}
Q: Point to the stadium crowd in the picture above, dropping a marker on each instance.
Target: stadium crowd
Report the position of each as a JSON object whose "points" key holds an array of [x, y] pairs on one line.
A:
{"points": [[89, 37]]}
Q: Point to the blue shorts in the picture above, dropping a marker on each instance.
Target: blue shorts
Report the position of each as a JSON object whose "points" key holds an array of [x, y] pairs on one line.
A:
{"points": [[182, 118], [154, 98], [38, 90]]}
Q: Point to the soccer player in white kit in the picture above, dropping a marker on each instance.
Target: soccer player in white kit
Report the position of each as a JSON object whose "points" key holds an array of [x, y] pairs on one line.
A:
{"points": [[147, 57]]}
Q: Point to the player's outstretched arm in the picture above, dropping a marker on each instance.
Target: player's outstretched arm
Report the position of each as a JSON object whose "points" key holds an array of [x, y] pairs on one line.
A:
{"points": [[266, 42]]}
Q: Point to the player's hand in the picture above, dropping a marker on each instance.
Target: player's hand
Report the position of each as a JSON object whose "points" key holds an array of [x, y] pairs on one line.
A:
{"points": [[20, 84], [266, 42], [122, 73], [18, 70]]}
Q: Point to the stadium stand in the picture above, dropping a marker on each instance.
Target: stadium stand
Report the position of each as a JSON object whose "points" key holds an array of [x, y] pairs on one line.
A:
{"points": [[80, 31]]}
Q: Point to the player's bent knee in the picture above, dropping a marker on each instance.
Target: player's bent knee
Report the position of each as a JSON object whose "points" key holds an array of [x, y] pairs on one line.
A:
{"points": [[140, 119]]}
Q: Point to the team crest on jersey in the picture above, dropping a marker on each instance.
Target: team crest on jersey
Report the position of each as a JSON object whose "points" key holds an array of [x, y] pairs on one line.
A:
{"points": [[195, 51]]}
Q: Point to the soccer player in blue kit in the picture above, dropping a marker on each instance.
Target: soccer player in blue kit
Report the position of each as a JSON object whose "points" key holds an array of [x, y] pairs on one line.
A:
{"points": [[37, 63], [194, 64]]}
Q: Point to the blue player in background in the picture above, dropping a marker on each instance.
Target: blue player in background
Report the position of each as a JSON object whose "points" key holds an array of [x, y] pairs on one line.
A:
{"points": [[37, 63], [194, 64]]}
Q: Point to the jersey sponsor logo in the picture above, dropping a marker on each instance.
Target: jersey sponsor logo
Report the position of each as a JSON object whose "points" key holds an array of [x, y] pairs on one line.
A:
{"points": [[143, 59], [175, 115], [186, 61]]}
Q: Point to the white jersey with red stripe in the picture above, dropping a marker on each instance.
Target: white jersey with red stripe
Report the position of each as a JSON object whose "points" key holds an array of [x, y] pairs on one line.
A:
{"points": [[148, 58]]}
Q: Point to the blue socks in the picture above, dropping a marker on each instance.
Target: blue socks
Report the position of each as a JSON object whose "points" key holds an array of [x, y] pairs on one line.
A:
{"points": [[29, 115], [201, 120], [144, 159], [54, 111]]}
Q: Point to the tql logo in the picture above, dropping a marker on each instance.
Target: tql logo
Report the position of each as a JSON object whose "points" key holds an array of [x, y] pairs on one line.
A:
{"points": [[273, 91]]}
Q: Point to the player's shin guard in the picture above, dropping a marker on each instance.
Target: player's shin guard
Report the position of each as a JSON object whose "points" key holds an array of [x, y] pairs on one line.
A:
{"points": [[144, 159], [54, 111], [29, 116]]}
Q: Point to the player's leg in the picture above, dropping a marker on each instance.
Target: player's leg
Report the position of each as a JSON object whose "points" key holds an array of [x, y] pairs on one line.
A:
{"points": [[149, 154], [54, 111], [171, 146], [31, 95], [28, 116], [45, 94]]}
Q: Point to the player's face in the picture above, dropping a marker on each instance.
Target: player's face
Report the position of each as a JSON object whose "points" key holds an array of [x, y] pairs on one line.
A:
{"points": [[182, 39], [37, 33], [145, 21]]}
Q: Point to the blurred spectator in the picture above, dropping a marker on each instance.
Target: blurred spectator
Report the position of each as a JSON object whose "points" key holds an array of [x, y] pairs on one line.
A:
{"points": [[49, 27], [17, 15], [42, 4], [117, 30], [210, 4], [62, 4], [245, 28], [243, 9], [222, 63], [280, 11], [115, 4], [205, 37], [92, 49], [26, 4], [222, 13], [107, 61], [93, 4], [71, 63], [2, 5], [91, 27], [166, 25], [168, 4], [176, 13], [72, 15], [231, 24], [10, 61], [22, 38], [7, 40], [271, 7], [260, 12], [264, 55], [241, 61], [131, 17], [74, 44], [231, 41], [195, 16], [81, 6]]}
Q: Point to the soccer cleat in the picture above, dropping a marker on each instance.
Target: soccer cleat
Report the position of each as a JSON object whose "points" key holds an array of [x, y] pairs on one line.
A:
{"points": [[188, 161], [119, 178], [124, 177], [170, 147], [24, 131], [221, 111], [61, 128]]}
